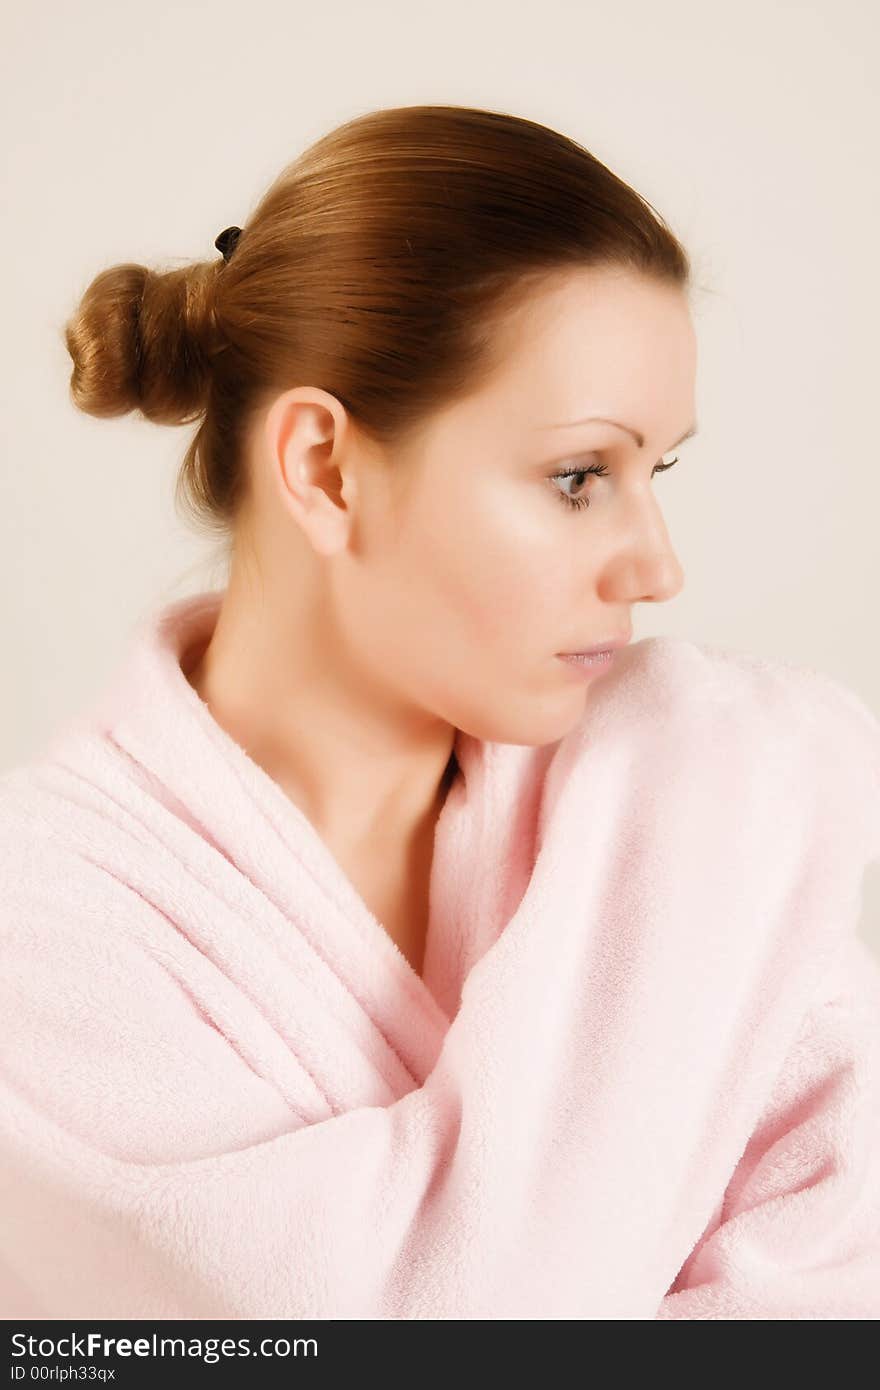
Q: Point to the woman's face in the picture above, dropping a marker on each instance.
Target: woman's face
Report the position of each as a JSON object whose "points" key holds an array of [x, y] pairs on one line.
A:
{"points": [[467, 567]]}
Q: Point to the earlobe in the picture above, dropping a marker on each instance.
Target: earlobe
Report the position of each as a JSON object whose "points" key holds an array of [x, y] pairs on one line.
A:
{"points": [[312, 492]]}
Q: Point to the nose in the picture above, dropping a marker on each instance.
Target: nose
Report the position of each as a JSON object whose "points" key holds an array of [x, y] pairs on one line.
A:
{"points": [[658, 570], [645, 568], [665, 582]]}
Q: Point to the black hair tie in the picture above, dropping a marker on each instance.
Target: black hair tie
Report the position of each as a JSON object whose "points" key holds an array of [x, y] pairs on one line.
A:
{"points": [[227, 240]]}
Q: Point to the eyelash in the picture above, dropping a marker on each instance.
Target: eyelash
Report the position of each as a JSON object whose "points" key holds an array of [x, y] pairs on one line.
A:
{"points": [[601, 471]]}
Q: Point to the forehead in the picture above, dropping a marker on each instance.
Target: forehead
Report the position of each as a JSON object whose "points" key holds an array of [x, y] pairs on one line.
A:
{"points": [[606, 342]]}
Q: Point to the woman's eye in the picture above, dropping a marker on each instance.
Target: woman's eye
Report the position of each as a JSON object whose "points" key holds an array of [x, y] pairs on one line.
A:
{"points": [[579, 474], [583, 500]]}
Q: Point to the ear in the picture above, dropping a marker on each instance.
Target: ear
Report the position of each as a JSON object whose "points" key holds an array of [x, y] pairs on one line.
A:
{"points": [[305, 435]]}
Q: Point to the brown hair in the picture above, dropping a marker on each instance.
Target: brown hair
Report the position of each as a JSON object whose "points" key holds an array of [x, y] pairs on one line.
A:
{"points": [[379, 266]]}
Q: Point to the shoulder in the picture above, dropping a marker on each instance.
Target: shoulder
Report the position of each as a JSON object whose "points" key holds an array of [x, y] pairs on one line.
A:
{"points": [[689, 676], [44, 852], [686, 679], [759, 726], [814, 718], [114, 1027]]}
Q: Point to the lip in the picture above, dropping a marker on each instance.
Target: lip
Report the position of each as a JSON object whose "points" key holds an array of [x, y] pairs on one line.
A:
{"points": [[611, 645]]}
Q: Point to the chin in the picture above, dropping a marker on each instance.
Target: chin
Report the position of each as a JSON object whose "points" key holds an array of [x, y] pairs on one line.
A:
{"points": [[552, 722]]}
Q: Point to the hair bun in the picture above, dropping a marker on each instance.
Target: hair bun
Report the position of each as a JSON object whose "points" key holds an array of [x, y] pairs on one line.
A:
{"points": [[137, 341]]}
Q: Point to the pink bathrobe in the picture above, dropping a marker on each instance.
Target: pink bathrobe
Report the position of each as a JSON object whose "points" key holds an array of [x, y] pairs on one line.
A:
{"points": [[639, 1078]]}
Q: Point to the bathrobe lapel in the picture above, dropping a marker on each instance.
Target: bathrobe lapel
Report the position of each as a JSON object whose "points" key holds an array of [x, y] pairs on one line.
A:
{"points": [[262, 875]]}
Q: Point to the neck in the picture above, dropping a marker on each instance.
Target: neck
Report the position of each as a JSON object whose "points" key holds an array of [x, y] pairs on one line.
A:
{"points": [[362, 770]]}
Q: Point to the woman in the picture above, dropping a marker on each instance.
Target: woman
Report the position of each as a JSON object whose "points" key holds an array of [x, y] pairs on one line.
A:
{"points": [[369, 953]]}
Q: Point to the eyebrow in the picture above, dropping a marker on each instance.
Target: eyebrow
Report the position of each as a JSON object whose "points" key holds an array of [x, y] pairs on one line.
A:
{"points": [[639, 438]]}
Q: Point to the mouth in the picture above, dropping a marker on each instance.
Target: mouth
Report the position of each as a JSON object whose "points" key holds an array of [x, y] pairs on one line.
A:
{"points": [[601, 648], [587, 660]]}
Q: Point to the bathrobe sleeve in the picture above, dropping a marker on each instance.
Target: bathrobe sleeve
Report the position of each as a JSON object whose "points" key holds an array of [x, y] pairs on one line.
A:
{"points": [[147, 1170], [797, 1232], [150, 1169]]}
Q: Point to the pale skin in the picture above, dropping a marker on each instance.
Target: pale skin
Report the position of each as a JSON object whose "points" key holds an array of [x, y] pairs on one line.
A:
{"points": [[376, 604]]}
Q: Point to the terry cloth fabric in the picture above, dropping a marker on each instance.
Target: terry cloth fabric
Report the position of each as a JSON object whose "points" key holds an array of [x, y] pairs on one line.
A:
{"points": [[639, 1076]]}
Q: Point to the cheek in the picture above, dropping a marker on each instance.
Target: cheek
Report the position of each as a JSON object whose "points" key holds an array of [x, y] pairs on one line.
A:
{"points": [[491, 570]]}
